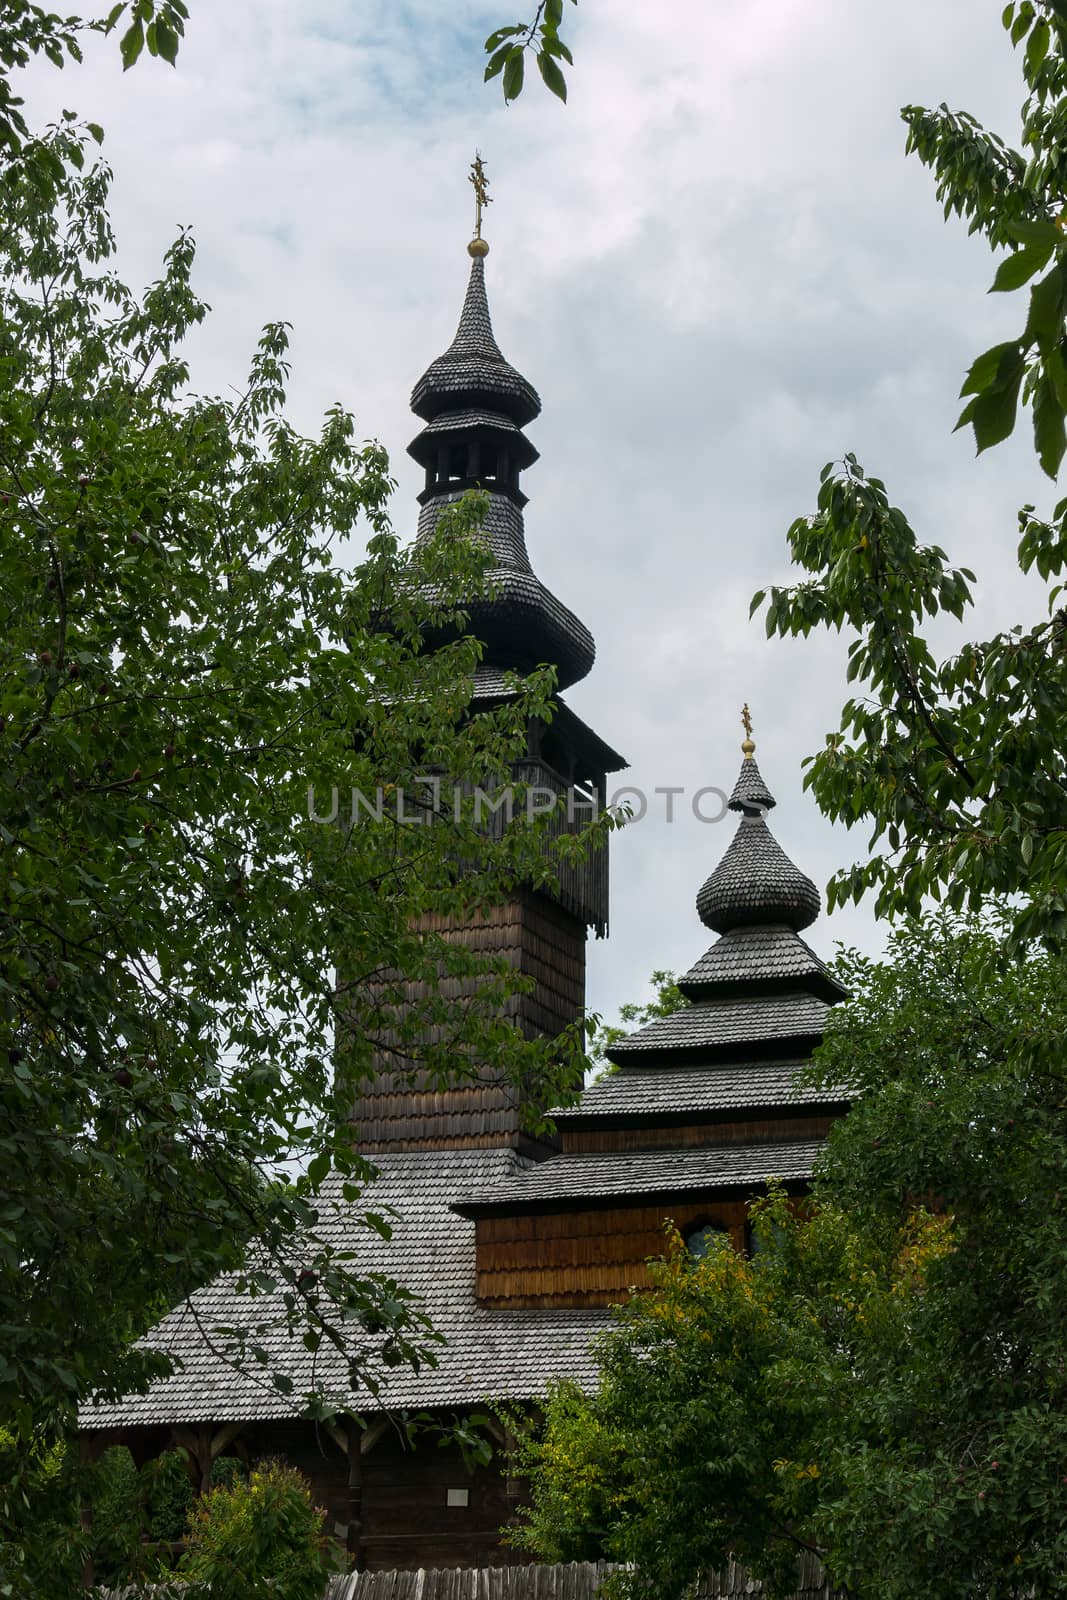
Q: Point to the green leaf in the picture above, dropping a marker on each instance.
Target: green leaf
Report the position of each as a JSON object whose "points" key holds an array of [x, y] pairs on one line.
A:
{"points": [[1020, 267], [992, 414], [1032, 232], [987, 367], [1056, 369], [96, 132], [496, 39], [555, 47], [167, 41], [1026, 848], [514, 72], [552, 76], [318, 1167], [1050, 437], [1037, 45], [1044, 322], [131, 44], [496, 62]]}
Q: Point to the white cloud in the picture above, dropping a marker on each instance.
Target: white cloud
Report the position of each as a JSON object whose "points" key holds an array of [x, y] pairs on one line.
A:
{"points": [[715, 264]]}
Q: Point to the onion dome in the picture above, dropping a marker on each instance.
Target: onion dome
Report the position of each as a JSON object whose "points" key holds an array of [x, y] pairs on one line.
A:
{"points": [[475, 405], [473, 372], [755, 883], [750, 793]]}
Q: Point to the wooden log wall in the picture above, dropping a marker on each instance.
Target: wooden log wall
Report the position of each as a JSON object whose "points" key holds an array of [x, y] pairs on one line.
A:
{"points": [[763, 1131], [401, 1111], [404, 1516], [586, 1258]]}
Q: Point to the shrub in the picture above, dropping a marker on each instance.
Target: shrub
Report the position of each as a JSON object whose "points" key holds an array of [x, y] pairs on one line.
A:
{"points": [[226, 1471], [42, 1543], [118, 1522], [168, 1495], [255, 1539]]}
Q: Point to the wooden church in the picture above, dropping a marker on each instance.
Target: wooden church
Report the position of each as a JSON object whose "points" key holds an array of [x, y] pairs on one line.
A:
{"points": [[516, 1247]]}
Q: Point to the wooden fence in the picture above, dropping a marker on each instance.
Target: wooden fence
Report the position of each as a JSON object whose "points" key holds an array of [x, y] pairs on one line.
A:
{"points": [[576, 1581]]}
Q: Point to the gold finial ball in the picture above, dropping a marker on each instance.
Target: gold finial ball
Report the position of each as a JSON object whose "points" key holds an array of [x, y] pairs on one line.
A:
{"points": [[748, 749], [477, 248]]}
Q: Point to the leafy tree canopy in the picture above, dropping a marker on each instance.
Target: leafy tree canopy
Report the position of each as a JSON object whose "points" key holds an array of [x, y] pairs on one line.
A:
{"points": [[957, 764], [190, 652], [667, 998], [883, 1381]]}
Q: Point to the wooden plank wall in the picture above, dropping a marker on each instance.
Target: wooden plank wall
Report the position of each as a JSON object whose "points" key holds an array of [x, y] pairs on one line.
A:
{"points": [[585, 1258], [764, 1130], [401, 1111]]}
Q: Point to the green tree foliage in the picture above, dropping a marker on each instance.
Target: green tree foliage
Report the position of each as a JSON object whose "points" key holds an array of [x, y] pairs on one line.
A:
{"points": [[182, 657], [263, 1536], [190, 650], [38, 1490], [118, 1516], [956, 764], [167, 1493], [667, 999], [1016, 198], [507, 49], [884, 1381]]}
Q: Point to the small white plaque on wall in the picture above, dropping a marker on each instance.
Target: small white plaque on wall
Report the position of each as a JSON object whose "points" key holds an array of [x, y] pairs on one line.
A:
{"points": [[459, 1497]]}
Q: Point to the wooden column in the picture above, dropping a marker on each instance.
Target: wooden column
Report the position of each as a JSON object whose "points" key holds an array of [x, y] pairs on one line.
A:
{"points": [[202, 1446], [355, 1442], [88, 1451]]}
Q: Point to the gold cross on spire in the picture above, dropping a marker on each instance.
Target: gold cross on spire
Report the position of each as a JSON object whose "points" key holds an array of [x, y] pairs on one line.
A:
{"points": [[477, 177], [748, 749]]}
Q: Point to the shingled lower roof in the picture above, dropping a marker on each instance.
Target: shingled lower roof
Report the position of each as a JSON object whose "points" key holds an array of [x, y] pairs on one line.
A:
{"points": [[760, 960], [659, 1094], [487, 1354], [729, 1030], [521, 623], [610, 1176]]}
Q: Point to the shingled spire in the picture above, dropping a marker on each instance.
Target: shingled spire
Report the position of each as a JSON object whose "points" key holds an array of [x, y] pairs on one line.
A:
{"points": [[475, 405], [759, 990]]}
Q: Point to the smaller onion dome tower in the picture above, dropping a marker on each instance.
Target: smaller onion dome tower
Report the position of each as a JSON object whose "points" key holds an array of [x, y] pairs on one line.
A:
{"points": [[707, 1106], [760, 992]]}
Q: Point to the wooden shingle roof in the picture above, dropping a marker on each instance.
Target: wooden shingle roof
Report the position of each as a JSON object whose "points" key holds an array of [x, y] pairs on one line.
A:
{"points": [[473, 371], [759, 960], [472, 394], [755, 883], [487, 1354], [663, 1095], [614, 1175], [729, 1029]]}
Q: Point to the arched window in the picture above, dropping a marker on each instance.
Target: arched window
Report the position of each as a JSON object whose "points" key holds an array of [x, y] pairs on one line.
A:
{"points": [[762, 1233], [699, 1239]]}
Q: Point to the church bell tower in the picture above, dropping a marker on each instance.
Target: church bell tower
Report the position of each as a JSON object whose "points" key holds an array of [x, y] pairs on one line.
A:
{"points": [[474, 406]]}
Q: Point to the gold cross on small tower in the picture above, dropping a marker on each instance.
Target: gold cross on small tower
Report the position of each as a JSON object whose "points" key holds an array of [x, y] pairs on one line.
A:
{"points": [[477, 177], [748, 749]]}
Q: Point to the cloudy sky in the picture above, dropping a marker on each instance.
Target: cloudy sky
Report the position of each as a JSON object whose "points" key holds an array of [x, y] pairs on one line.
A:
{"points": [[715, 264]]}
